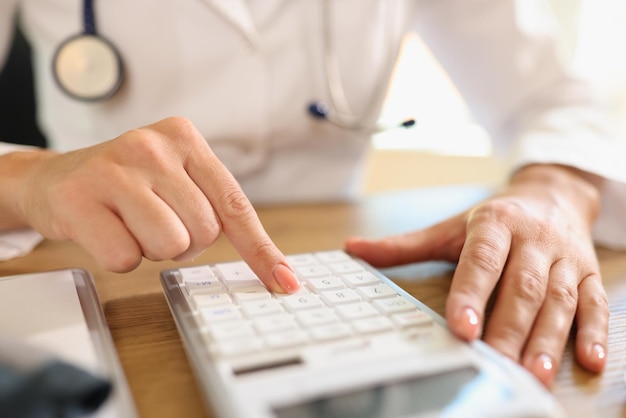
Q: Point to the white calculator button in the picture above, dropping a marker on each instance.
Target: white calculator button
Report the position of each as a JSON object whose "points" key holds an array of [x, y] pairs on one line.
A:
{"points": [[230, 330], [312, 271], [374, 324], [297, 302], [204, 286], [312, 317], [376, 291], [251, 293], [302, 291], [412, 318], [302, 260], [235, 347], [256, 308], [346, 267], [274, 323], [326, 283], [424, 336], [330, 331], [328, 257], [210, 299], [238, 274], [334, 297], [356, 310], [286, 338], [360, 279], [219, 313], [393, 305], [196, 273]]}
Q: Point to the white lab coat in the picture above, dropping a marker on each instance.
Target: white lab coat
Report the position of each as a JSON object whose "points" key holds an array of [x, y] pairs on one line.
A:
{"points": [[244, 72]]}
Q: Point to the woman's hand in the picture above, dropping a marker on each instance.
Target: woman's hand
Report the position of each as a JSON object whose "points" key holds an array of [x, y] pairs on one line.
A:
{"points": [[531, 245], [157, 192]]}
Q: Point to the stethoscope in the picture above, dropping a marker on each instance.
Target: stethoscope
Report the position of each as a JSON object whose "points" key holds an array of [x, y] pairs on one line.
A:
{"points": [[88, 67]]}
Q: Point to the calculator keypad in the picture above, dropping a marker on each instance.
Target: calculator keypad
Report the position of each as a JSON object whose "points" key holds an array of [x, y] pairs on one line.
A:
{"points": [[340, 299]]}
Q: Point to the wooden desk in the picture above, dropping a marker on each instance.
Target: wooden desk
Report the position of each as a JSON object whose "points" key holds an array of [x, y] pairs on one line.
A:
{"points": [[154, 359]]}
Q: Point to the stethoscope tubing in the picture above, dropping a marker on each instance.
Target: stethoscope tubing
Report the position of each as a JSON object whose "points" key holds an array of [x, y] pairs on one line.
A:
{"points": [[89, 20], [338, 111]]}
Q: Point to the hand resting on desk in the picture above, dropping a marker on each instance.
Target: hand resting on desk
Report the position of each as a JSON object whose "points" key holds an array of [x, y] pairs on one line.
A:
{"points": [[531, 245]]}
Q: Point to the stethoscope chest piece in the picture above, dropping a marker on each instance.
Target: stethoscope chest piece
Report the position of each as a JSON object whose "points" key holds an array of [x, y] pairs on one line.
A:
{"points": [[88, 67]]}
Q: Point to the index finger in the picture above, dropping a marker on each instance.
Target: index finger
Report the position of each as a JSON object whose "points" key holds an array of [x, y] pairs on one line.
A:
{"points": [[240, 222], [480, 265]]}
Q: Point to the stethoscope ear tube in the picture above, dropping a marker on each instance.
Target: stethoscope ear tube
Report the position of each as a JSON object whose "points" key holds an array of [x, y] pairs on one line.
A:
{"points": [[337, 111], [87, 66]]}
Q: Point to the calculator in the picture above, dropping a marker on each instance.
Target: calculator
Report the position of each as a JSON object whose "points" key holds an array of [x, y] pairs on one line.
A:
{"points": [[350, 344]]}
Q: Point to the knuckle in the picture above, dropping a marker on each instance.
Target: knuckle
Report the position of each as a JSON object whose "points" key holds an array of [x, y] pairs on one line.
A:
{"points": [[598, 300], [122, 262], [183, 130], [565, 294], [263, 249], [528, 286], [118, 255], [236, 205], [485, 257], [499, 210], [515, 215], [179, 122], [207, 234], [167, 249], [142, 144]]}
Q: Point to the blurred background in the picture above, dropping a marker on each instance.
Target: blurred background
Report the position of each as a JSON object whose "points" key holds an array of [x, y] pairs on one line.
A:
{"points": [[446, 145]]}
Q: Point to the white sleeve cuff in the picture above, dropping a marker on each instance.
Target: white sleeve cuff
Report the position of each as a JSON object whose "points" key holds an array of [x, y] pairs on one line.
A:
{"points": [[610, 228], [15, 244]]}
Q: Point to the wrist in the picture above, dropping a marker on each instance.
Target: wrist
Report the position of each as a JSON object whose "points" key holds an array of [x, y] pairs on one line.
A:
{"points": [[15, 169], [566, 185]]}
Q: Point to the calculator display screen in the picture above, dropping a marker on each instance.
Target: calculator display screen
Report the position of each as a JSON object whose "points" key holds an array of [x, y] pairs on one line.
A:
{"points": [[463, 389]]}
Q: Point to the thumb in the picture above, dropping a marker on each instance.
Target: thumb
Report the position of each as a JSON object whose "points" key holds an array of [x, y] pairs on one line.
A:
{"points": [[442, 241]]}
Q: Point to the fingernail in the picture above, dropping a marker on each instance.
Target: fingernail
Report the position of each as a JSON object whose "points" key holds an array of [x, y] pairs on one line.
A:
{"points": [[286, 278], [598, 354], [469, 322], [543, 368]]}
